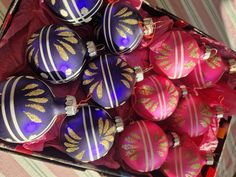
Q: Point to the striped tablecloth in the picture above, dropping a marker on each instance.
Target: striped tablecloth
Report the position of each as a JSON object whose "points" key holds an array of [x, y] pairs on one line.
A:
{"points": [[215, 17]]}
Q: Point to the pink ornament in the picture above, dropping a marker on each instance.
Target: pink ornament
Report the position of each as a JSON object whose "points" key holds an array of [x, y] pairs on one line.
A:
{"points": [[155, 98], [184, 160], [192, 116], [176, 53], [206, 73], [143, 146]]}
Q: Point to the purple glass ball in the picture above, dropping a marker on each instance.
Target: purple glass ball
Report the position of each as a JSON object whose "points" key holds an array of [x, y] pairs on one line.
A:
{"points": [[109, 80], [28, 109], [56, 53], [122, 27], [74, 11], [88, 135]]}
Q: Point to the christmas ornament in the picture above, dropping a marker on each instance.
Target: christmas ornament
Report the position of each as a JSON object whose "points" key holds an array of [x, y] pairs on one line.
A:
{"points": [[29, 109], [56, 53], [109, 80], [192, 116], [89, 134], [143, 146], [185, 160], [176, 53], [74, 12], [206, 73], [121, 27], [155, 98]]}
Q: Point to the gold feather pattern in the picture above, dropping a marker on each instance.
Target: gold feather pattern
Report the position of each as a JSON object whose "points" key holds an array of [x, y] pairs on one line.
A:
{"points": [[127, 76], [70, 150], [53, 2], [73, 134], [149, 104], [106, 132], [80, 155], [38, 100], [33, 117], [66, 34], [89, 73], [121, 32], [146, 90], [69, 145], [30, 86], [118, 61], [206, 115], [91, 89], [93, 66], [68, 47], [36, 58], [189, 65], [88, 81], [130, 146], [70, 140], [129, 70], [62, 52], [99, 90], [36, 92], [163, 56], [30, 54], [127, 14], [126, 83], [36, 107], [62, 28], [163, 146], [127, 29], [122, 11], [194, 53], [173, 100], [130, 21], [72, 40], [214, 62]]}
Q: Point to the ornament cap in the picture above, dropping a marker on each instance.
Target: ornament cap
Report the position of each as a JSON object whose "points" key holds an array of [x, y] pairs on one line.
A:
{"points": [[209, 52], [219, 112], [184, 90], [148, 26], [92, 49], [119, 124], [209, 159], [175, 139], [232, 66], [71, 105], [139, 73]]}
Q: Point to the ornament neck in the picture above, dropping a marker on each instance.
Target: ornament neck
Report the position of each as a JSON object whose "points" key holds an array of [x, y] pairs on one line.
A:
{"points": [[173, 139], [66, 106], [232, 66]]}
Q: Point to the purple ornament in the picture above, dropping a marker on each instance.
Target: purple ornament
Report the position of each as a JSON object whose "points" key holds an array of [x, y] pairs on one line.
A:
{"points": [[122, 27], [28, 109], [109, 80], [88, 135], [56, 53], [74, 12]]}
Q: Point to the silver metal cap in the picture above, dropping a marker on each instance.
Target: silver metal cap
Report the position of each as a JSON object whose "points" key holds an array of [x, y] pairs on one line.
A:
{"points": [[209, 159], [148, 26], [119, 124], [71, 105], [139, 73], [92, 50]]}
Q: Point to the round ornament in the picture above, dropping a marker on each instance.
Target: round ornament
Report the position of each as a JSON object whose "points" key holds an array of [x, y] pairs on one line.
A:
{"points": [[28, 109], [56, 53], [176, 54], [122, 27], [206, 73], [109, 80], [155, 98], [74, 12], [192, 116], [185, 160], [88, 135], [143, 146]]}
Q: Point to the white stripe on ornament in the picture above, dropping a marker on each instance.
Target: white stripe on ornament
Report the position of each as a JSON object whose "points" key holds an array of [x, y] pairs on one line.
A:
{"points": [[67, 6], [176, 56], [4, 112], [181, 55]]}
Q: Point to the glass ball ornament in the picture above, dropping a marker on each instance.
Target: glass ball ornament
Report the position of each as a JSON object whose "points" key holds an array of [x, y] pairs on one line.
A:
{"points": [[56, 53], [89, 135], [29, 109], [109, 80]]}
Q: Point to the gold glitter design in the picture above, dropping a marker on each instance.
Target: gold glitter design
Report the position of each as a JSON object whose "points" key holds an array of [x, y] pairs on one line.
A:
{"points": [[106, 132], [86, 82], [127, 76], [38, 100], [70, 140], [62, 52], [72, 40], [68, 47], [36, 107], [93, 66], [91, 89], [53, 2], [62, 28], [30, 86], [89, 73], [36, 58], [36, 92], [163, 58], [80, 155], [121, 32], [33, 117], [73, 134], [206, 115], [130, 21], [69, 72], [214, 62], [99, 90], [31, 54], [66, 34], [70, 145], [189, 65], [70, 150], [126, 83], [173, 100], [122, 11], [127, 29]]}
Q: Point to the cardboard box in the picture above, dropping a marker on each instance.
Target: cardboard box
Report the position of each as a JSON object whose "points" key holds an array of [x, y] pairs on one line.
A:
{"points": [[54, 156]]}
